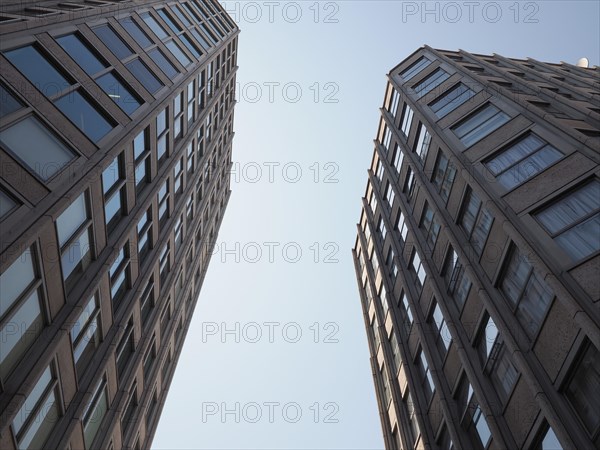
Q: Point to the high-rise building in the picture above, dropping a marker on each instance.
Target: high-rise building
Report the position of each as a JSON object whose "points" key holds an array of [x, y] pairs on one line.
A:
{"points": [[478, 254], [116, 127]]}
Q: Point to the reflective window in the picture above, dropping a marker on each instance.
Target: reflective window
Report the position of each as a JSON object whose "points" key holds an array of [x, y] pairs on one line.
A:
{"points": [[94, 124], [415, 68], [36, 67], [27, 138], [86, 334], [118, 92], [38, 416], [479, 124], [451, 99], [582, 389], [154, 25], [7, 204], [161, 61], [113, 185], [125, 349], [136, 32], [141, 157], [144, 76], [94, 413], [444, 175], [431, 82], [114, 43], [573, 221], [178, 53], [407, 116], [475, 220], [423, 142], [20, 303], [81, 53], [8, 103]]}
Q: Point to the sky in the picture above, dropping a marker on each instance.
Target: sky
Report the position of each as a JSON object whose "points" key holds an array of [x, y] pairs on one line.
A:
{"points": [[276, 356]]}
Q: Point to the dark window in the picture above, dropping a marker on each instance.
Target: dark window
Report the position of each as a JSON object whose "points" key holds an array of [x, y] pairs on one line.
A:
{"points": [[118, 92], [81, 53], [154, 25], [451, 99], [43, 74], [128, 414], [93, 123], [444, 175], [476, 221], [125, 349], [114, 43], [144, 76], [136, 32], [8, 103], [161, 61]]}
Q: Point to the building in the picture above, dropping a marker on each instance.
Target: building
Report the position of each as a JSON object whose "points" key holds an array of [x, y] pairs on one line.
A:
{"points": [[478, 254], [115, 146]]}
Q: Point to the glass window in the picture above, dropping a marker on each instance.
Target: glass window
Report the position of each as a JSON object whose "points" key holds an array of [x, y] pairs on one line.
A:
{"points": [[81, 53], [526, 291], [407, 116], [125, 349], [582, 389], [431, 82], [147, 302], [482, 428], [415, 68], [189, 45], [119, 276], [8, 103], [136, 32], [409, 184], [144, 230], [112, 40], [476, 221], [430, 226], [162, 134], [86, 334], [548, 441], [129, 412], [26, 138], [163, 202], [398, 158], [164, 265], [169, 20], [144, 76], [94, 124], [573, 221], [162, 61], [113, 182], [451, 99], [443, 337], [20, 303], [141, 156], [479, 124], [522, 160], [154, 25], [39, 414], [459, 284], [7, 204], [418, 269], [118, 92], [94, 413], [503, 373], [36, 67], [426, 378], [423, 142], [444, 175], [178, 53]]}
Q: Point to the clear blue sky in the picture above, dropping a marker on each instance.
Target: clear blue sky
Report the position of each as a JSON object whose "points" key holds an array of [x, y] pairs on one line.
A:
{"points": [[311, 82]]}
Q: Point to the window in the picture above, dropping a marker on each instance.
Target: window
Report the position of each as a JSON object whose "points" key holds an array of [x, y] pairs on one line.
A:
{"points": [[457, 281], [503, 373], [401, 227], [415, 431], [86, 334], [154, 25], [163, 203], [419, 271], [162, 134], [141, 157], [407, 116], [426, 379], [24, 140], [190, 158], [389, 194], [444, 440], [152, 405], [147, 302], [581, 390], [395, 346], [573, 221], [443, 337], [81, 53], [8, 103], [430, 226], [393, 103], [7, 203], [398, 157], [40, 412], [479, 124], [165, 368], [450, 100], [191, 102], [178, 233], [522, 161], [112, 40], [128, 414], [178, 178], [165, 265], [120, 275], [409, 184], [375, 331], [90, 120], [39, 70], [476, 221], [113, 185], [125, 349], [423, 142], [431, 82], [74, 230], [20, 303], [178, 114], [142, 74], [415, 68], [548, 440], [149, 359], [481, 426], [94, 413], [488, 337], [136, 32], [408, 317], [144, 232], [444, 175], [165, 318], [163, 62], [526, 291], [121, 94]]}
